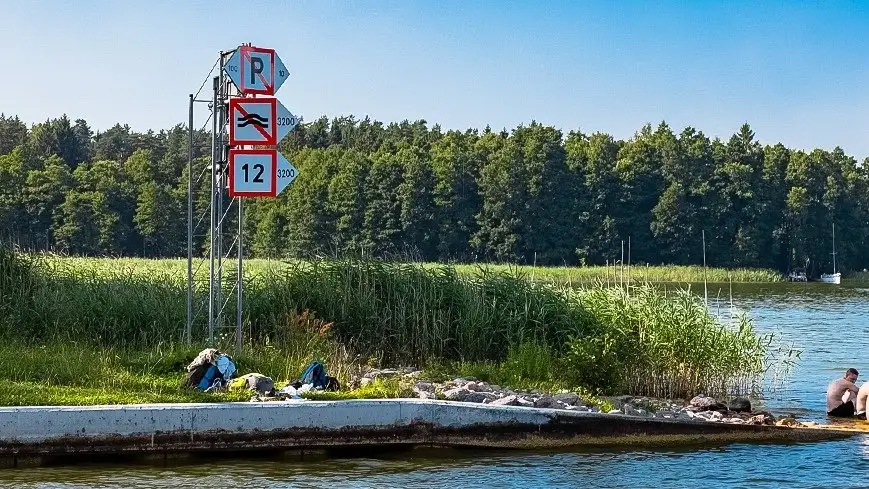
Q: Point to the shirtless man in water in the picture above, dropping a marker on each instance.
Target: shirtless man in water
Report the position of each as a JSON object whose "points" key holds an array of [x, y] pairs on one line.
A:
{"points": [[862, 396], [842, 394]]}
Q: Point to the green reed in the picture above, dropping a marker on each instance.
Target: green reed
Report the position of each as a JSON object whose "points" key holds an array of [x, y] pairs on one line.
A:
{"points": [[635, 339]]}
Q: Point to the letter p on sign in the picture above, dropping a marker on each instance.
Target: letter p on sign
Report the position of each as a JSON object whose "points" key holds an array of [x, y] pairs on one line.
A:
{"points": [[257, 70]]}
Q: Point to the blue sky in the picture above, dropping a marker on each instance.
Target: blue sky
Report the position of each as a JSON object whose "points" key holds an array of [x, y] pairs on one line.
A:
{"points": [[797, 72]]}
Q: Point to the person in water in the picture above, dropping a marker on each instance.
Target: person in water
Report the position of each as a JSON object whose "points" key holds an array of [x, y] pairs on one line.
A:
{"points": [[842, 395]]}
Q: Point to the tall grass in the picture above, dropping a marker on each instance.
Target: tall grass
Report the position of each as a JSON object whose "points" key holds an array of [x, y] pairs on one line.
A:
{"points": [[18, 283], [407, 313], [633, 339], [176, 269], [666, 344], [637, 274]]}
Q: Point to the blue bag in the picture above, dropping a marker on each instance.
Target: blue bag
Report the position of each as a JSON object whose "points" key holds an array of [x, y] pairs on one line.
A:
{"points": [[315, 374]]}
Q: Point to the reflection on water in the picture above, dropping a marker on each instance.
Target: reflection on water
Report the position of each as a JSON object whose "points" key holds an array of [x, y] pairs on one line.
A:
{"points": [[827, 322], [797, 465]]}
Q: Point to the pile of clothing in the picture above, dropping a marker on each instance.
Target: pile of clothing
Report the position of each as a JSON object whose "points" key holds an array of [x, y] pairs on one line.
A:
{"points": [[210, 370], [213, 370]]}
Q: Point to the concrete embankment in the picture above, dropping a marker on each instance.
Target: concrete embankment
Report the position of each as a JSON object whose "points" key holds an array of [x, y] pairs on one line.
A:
{"points": [[40, 434]]}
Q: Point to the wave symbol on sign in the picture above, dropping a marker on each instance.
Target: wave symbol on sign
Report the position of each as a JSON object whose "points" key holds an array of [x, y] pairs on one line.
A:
{"points": [[253, 120]]}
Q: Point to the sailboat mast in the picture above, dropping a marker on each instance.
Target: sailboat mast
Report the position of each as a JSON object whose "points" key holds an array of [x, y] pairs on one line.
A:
{"points": [[834, 247]]}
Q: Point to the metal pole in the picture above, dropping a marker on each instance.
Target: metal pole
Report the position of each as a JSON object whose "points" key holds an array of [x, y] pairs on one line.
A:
{"points": [[705, 290], [212, 237], [629, 261], [622, 265], [221, 147], [238, 328], [189, 331]]}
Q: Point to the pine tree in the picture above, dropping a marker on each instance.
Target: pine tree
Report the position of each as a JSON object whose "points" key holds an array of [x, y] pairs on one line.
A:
{"points": [[456, 167], [416, 194], [346, 201]]}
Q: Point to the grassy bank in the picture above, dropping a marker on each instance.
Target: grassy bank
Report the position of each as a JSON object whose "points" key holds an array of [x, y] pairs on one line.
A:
{"points": [[83, 374], [498, 325]]}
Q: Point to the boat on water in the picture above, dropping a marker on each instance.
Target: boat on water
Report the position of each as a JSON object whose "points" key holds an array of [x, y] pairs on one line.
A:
{"points": [[835, 277], [798, 276], [831, 278]]}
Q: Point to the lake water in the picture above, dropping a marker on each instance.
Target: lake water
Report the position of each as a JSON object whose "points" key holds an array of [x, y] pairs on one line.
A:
{"points": [[828, 323]]}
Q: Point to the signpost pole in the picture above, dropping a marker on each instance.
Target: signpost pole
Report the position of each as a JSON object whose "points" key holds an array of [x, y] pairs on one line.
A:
{"points": [[212, 237], [239, 278], [221, 158], [188, 332]]}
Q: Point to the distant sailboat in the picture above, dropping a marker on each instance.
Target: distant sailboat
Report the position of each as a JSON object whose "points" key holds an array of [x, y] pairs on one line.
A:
{"points": [[835, 277]]}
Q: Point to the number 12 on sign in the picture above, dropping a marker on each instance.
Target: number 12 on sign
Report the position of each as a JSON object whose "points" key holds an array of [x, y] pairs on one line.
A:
{"points": [[253, 172]]}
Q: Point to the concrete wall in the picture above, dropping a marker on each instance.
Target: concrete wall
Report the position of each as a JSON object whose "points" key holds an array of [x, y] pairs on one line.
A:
{"points": [[164, 428], [39, 424]]}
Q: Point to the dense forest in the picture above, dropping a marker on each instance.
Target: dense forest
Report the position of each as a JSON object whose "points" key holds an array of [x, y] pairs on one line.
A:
{"points": [[410, 190]]}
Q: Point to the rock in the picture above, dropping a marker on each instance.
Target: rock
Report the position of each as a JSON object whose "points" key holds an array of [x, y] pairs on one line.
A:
{"points": [[423, 387], [472, 396], [546, 402], [715, 416], [426, 395], [629, 410], [740, 405], [525, 402], [809, 424], [478, 387], [567, 398], [703, 403], [464, 395], [364, 381], [768, 418], [506, 401], [756, 419], [413, 375], [614, 411], [259, 383], [456, 394], [787, 422]]}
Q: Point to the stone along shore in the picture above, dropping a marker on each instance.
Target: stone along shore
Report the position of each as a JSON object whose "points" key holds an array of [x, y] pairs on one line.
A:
{"points": [[469, 390]]}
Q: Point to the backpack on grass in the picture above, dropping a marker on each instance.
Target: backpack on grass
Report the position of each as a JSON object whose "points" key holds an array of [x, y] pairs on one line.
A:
{"points": [[315, 374]]}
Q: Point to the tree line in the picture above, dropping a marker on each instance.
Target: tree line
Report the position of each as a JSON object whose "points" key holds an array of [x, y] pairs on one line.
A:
{"points": [[529, 195]]}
